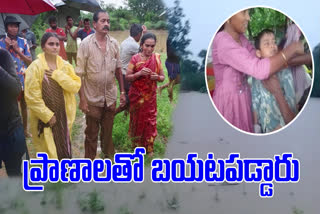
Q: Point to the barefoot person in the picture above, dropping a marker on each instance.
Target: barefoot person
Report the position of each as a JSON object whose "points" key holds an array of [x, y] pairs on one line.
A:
{"points": [[144, 71], [51, 85]]}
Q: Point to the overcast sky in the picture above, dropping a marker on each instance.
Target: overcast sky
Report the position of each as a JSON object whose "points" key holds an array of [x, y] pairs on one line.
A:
{"points": [[117, 3], [207, 15]]}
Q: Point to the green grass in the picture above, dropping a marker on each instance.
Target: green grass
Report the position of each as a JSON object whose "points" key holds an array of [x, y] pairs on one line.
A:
{"points": [[91, 203]]}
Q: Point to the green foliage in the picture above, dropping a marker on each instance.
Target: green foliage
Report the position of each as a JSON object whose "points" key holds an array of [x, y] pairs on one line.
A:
{"points": [[160, 25], [120, 18], [39, 26], [146, 8], [91, 203], [202, 55], [265, 18], [124, 210], [193, 82], [86, 15], [295, 210], [133, 21], [178, 30], [192, 76], [124, 23], [149, 25], [146, 11]]}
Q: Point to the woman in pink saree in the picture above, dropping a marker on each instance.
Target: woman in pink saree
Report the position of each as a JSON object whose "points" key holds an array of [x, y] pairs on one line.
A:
{"points": [[144, 71]]}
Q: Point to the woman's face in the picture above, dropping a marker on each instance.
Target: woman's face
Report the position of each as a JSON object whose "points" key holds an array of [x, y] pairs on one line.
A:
{"points": [[148, 47], [239, 22], [52, 46]]}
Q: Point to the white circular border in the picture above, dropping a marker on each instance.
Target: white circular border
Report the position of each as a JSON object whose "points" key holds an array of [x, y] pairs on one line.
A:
{"points": [[206, 79]]}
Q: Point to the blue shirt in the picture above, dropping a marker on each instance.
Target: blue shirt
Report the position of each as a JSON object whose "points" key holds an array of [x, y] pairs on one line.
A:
{"points": [[83, 33], [24, 48]]}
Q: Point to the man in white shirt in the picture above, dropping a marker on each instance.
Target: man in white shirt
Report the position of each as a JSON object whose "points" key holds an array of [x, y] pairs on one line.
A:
{"points": [[128, 48]]}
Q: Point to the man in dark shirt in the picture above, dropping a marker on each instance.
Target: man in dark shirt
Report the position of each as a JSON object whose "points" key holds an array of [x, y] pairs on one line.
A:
{"points": [[86, 31], [12, 140]]}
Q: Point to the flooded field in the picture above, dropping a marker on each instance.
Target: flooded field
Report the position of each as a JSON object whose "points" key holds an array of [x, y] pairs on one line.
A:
{"points": [[197, 128]]}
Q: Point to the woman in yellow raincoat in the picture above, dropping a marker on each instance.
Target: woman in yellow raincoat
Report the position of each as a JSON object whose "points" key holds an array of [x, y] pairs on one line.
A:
{"points": [[50, 88]]}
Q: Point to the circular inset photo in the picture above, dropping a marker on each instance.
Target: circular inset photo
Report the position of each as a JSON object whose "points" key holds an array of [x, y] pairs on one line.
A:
{"points": [[259, 70]]}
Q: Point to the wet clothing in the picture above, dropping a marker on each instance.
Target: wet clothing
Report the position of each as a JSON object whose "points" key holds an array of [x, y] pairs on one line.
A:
{"points": [[39, 111], [143, 103]]}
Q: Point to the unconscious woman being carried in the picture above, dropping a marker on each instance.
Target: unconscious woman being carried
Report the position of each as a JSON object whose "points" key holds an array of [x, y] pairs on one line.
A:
{"points": [[267, 115]]}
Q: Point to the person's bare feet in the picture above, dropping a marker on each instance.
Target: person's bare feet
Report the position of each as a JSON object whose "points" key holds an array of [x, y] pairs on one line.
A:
{"points": [[159, 90]]}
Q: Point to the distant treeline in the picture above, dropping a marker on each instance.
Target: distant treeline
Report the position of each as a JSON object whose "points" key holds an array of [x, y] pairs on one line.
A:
{"points": [[148, 12]]}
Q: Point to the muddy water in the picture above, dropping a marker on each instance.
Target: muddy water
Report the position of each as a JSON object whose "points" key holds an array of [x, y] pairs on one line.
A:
{"points": [[197, 128]]}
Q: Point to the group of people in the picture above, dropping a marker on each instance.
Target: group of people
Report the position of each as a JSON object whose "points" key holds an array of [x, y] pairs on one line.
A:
{"points": [[279, 85], [49, 85]]}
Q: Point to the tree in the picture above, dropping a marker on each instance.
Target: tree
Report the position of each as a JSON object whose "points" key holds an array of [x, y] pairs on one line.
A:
{"points": [[192, 77], [265, 18], [143, 7], [202, 54], [178, 30]]}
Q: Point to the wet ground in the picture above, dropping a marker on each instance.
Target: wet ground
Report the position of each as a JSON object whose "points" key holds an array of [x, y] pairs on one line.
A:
{"points": [[197, 128]]}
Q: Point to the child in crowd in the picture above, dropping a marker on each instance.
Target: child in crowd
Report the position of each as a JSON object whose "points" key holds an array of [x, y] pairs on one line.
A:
{"points": [[266, 112]]}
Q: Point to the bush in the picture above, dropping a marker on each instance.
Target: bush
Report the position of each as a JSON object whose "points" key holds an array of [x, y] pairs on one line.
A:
{"points": [[160, 25], [134, 21], [124, 24], [115, 24], [193, 82], [149, 25]]}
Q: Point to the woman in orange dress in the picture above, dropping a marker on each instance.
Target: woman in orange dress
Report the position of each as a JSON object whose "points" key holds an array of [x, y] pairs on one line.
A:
{"points": [[144, 71]]}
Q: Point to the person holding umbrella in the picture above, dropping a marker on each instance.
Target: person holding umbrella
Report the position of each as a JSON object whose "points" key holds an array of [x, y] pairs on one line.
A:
{"points": [[19, 50]]}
